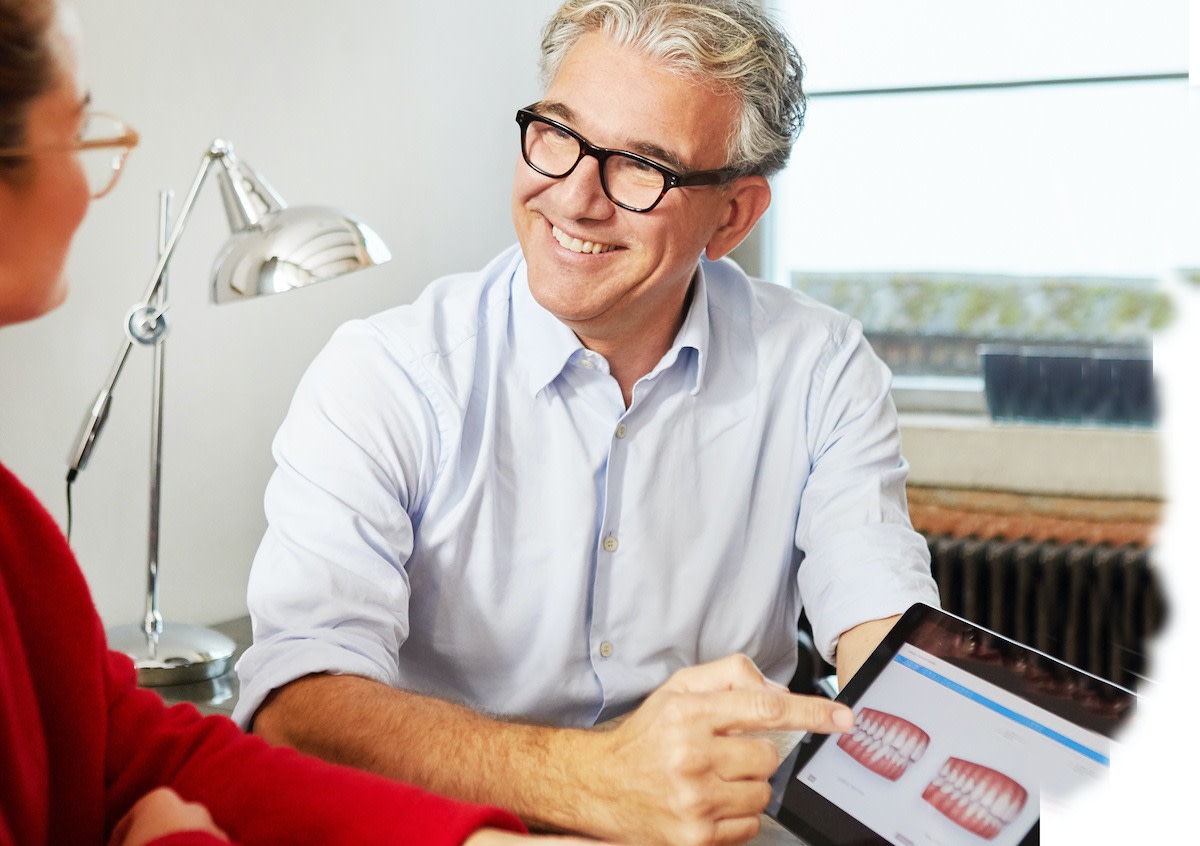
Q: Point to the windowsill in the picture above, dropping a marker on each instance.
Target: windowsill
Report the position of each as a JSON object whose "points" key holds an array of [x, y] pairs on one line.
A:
{"points": [[973, 452]]}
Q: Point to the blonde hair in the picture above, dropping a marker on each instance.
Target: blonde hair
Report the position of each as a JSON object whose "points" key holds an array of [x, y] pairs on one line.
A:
{"points": [[729, 44]]}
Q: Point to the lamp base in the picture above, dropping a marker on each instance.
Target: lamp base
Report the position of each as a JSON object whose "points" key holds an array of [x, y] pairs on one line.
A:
{"points": [[180, 654]]}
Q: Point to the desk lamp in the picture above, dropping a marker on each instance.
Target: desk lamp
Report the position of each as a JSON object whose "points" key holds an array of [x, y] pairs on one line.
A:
{"points": [[273, 248]]}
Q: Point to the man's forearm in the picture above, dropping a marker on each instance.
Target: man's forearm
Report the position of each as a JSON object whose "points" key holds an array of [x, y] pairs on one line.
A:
{"points": [[684, 768], [533, 771], [857, 644]]}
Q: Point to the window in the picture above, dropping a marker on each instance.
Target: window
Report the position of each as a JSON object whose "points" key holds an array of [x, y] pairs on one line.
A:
{"points": [[1021, 173]]}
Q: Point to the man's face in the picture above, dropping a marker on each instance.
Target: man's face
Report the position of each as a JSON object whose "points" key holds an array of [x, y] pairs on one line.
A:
{"points": [[636, 284]]}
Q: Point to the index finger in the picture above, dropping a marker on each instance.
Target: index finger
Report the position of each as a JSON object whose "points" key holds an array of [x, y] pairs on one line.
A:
{"points": [[766, 710]]}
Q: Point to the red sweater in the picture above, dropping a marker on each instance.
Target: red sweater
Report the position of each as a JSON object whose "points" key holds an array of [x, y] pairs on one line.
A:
{"points": [[80, 742]]}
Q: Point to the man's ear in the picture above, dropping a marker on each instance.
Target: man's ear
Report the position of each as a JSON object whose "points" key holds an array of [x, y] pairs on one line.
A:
{"points": [[747, 199]]}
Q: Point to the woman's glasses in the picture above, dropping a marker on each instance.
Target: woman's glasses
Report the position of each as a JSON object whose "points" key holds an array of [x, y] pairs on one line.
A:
{"points": [[103, 145]]}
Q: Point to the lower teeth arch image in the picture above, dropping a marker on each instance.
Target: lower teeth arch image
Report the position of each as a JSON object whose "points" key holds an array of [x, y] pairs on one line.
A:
{"points": [[978, 798], [884, 743]]}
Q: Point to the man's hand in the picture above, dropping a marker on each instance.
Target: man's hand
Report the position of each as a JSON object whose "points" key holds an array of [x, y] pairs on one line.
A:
{"points": [[161, 812], [684, 769]]}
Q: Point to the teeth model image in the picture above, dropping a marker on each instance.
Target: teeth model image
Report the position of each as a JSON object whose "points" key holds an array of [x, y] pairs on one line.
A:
{"points": [[978, 798], [884, 743]]}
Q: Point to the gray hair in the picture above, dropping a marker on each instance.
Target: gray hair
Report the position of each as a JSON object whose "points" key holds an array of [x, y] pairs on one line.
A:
{"points": [[730, 44]]}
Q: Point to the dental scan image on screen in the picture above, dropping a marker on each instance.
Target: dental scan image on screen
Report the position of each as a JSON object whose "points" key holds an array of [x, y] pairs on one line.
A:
{"points": [[941, 756]]}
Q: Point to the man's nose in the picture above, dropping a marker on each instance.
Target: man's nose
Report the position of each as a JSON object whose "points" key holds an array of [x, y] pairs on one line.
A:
{"points": [[582, 191]]}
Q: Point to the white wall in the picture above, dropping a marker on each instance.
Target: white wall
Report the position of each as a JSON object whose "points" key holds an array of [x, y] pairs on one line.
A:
{"points": [[399, 112]]}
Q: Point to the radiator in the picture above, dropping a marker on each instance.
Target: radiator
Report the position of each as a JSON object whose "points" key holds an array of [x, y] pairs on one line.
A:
{"points": [[1095, 606]]}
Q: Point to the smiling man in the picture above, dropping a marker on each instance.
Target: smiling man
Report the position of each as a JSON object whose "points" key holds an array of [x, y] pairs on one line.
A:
{"points": [[542, 537]]}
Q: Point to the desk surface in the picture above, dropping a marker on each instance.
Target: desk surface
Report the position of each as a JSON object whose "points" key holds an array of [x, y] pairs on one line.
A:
{"points": [[219, 695]]}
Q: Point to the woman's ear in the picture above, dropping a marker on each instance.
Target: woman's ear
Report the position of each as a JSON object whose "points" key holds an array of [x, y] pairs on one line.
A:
{"points": [[746, 200]]}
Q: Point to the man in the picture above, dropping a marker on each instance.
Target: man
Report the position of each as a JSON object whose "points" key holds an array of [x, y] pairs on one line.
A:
{"points": [[595, 480]]}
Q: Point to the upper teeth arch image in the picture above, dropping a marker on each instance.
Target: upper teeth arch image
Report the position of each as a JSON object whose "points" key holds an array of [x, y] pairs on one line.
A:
{"points": [[884, 743]]}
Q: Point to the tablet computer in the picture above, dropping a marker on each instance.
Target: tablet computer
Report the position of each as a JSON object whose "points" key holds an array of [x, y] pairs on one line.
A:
{"points": [[961, 735]]}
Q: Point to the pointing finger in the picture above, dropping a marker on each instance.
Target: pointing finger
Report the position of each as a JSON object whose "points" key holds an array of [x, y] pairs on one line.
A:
{"points": [[767, 709]]}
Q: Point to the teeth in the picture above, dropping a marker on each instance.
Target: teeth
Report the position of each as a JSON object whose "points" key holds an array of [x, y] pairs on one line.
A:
{"points": [[980, 799], [577, 246]]}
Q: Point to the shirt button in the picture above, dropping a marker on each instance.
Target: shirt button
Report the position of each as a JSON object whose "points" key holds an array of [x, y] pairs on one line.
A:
{"points": [[622, 430], [610, 544], [606, 649], [586, 362]]}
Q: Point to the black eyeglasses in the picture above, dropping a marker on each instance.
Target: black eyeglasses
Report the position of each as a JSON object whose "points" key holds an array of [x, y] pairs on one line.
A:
{"points": [[631, 181]]}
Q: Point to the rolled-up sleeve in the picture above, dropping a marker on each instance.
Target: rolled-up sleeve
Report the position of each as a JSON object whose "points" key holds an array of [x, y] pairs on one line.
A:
{"points": [[328, 590], [862, 559]]}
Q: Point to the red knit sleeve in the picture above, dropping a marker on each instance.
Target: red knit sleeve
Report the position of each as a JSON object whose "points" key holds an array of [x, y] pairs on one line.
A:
{"points": [[190, 838], [261, 794]]}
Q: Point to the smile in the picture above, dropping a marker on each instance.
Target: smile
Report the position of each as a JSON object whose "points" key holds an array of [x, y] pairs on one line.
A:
{"points": [[577, 246], [884, 743]]}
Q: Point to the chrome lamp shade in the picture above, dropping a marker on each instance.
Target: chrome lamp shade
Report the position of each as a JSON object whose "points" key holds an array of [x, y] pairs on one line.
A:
{"points": [[293, 248], [273, 248]]}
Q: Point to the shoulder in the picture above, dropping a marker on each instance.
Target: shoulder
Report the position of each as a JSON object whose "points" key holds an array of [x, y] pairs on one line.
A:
{"points": [[446, 319], [414, 362], [25, 525], [450, 312], [770, 315]]}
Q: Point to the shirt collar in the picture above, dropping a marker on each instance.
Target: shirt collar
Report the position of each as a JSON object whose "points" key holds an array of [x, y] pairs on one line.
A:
{"points": [[694, 333], [544, 344]]}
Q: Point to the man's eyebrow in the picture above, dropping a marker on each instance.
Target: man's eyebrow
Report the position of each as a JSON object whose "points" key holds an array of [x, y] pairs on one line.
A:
{"points": [[653, 151], [553, 108], [564, 113]]}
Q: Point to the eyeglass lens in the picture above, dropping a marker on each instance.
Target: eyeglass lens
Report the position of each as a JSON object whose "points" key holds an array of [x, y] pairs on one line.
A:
{"points": [[626, 180], [102, 165]]}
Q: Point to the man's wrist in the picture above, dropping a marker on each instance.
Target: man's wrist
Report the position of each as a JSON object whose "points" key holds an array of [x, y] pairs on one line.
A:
{"points": [[573, 784]]}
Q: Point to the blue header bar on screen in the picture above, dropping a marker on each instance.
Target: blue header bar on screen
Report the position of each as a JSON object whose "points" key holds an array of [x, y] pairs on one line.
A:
{"points": [[992, 705]]}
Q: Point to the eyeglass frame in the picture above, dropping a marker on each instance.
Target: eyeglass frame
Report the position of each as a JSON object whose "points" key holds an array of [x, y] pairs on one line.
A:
{"points": [[126, 142], [671, 178]]}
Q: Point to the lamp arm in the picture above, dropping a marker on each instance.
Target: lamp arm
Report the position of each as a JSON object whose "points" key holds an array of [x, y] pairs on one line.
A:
{"points": [[149, 318]]}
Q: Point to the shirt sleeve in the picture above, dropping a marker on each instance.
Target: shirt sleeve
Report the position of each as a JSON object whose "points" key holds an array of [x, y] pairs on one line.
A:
{"points": [[257, 793], [328, 592], [862, 559]]}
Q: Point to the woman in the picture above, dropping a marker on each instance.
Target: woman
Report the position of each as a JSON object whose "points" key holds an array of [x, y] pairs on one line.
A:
{"points": [[85, 756]]}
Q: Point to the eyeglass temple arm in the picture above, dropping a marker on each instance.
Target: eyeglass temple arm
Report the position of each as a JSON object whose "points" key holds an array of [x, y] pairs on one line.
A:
{"points": [[90, 430]]}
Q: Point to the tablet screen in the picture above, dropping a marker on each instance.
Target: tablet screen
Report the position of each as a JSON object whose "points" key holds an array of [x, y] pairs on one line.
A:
{"points": [[961, 736]]}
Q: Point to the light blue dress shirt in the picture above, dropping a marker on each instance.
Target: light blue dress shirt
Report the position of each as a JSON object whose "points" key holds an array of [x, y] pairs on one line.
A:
{"points": [[464, 507]]}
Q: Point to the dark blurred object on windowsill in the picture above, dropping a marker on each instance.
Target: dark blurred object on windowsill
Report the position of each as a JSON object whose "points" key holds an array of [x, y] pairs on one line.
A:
{"points": [[1103, 386]]}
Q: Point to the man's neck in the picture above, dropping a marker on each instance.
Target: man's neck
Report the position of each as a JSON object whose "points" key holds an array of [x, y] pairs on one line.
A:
{"points": [[634, 351]]}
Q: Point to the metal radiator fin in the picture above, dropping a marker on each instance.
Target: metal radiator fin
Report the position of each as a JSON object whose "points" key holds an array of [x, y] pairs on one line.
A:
{"points": [[1092, 605]]}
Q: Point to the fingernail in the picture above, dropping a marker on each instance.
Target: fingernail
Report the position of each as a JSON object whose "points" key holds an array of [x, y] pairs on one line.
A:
{"points": [[843, 718]]}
